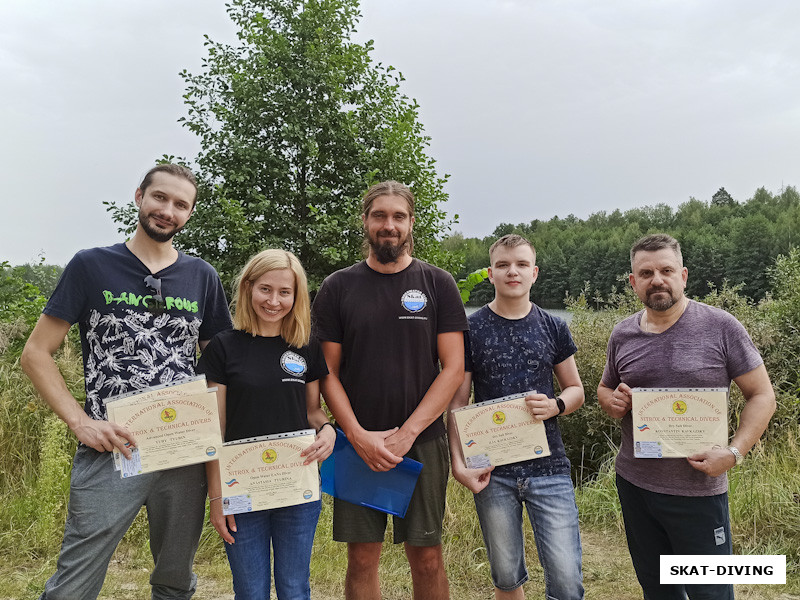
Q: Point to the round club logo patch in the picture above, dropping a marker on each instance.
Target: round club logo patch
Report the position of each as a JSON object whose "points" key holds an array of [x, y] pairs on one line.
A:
{"points": [[293, 363], [499, 417], [168, 415], [269, 456], [414, 301], [679, 407]]}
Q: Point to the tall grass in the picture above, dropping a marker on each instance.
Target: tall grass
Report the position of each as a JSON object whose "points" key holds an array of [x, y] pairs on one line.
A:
{"points": [[765, 501], [764, 498]]}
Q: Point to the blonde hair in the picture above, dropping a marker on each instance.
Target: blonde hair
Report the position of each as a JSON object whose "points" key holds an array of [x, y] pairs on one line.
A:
{"points": [[296, 326], [511, 240]]}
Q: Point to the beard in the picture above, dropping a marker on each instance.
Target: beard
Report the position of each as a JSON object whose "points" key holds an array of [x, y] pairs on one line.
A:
{"points": [[387, 252], [155, 233], [660, 304]]}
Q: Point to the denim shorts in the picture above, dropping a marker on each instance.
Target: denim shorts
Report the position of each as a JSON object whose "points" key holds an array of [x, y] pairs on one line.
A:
{"points": [[550, 502], [422, 525]]}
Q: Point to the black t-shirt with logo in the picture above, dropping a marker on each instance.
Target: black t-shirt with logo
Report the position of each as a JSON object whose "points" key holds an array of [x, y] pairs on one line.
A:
{"points": [[129, 343], [265, 379], [387, 325]]}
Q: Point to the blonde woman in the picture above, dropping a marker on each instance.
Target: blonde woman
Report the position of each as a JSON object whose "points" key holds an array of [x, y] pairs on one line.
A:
{"points": [[267, 372]]}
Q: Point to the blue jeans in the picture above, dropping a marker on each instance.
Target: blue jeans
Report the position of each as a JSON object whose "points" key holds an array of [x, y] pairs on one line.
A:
{"points": [[550, 502], [291, 532]]}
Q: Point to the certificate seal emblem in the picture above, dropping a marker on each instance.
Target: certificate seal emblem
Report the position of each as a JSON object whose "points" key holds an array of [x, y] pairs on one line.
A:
{"points": [[293, 363], [168, 415], [211, 451], [307, 494], [269, 456], [499, 417], [679, 407], [414, 301], [538, 450]]}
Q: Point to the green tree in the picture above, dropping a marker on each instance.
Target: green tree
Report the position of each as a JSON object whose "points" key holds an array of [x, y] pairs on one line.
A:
{"points": [[295, 123], [43, 276], [752, 252], [722, 198], [20, 301]]}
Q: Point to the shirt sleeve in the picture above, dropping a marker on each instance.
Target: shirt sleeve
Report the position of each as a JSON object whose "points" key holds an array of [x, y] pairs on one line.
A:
{"points": [[566, 345], [325, 322], [318, 368], [213, 361], [451, 313], [68, 301], [216, 316], [467, 353], [741, 353], [610, 377]]}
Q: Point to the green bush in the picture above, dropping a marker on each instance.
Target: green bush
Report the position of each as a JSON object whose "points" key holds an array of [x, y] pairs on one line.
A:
{"points": [[19, 300]]}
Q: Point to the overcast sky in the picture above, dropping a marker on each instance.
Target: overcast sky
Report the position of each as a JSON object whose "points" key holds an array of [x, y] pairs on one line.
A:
{"points": [[536, 108]]}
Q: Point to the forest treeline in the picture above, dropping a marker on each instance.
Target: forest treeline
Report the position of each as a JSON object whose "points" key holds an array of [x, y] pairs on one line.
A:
{"points": [[722, 240]]}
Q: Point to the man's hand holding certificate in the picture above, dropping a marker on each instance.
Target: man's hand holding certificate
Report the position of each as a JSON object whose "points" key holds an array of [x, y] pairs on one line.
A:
{"points": [[678, 422], [268, 472], [500, 432], [174, 426]]}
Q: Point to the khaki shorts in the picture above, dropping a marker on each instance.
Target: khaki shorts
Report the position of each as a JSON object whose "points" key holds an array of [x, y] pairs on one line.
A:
{"points": [[422, 525]]}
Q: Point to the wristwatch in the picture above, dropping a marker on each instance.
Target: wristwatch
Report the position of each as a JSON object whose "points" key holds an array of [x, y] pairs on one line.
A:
{"points": [[560, 404], [735, 451]]}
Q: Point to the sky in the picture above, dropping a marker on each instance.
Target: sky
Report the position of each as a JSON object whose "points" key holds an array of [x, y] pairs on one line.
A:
{"points": [[536, 108]]}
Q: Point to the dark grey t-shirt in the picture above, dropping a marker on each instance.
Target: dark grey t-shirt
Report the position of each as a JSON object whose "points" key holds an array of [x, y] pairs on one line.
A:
{"points": [[706, 347]]}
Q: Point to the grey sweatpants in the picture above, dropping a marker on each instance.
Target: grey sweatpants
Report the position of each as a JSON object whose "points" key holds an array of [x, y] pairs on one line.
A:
{"points": [[102, 507]]}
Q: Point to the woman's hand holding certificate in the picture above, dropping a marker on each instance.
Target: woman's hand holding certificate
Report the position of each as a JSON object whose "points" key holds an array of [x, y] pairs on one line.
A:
{"points": [[268, 472]]}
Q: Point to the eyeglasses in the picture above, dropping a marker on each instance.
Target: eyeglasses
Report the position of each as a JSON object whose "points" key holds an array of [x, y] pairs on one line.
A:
{"points": [[156, 304]]}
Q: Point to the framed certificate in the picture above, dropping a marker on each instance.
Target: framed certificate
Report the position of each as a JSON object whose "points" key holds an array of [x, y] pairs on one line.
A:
{"points": [[678, 422], [174, 426], [500, 432], [267, 472]]}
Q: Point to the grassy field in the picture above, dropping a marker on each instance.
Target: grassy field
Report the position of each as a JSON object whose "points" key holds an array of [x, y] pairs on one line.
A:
{"points": [[608, 573]]}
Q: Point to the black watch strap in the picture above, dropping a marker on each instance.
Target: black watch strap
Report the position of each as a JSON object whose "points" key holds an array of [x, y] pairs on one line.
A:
{"points": [[561, 406]]}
